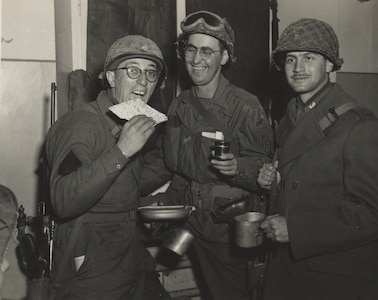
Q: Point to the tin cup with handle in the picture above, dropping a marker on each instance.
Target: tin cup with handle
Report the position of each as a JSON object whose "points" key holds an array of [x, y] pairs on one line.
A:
{"points": [[248, 232]]}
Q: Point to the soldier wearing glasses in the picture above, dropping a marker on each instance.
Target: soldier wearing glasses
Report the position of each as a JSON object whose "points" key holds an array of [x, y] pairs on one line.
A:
{"points": [[206, 46], [94, 171]]}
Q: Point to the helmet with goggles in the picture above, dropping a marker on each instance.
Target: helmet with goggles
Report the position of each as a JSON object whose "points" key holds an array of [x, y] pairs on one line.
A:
{"points": [[205, 22]]}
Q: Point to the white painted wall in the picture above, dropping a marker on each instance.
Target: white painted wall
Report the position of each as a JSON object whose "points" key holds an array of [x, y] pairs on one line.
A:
{"points": [[29, 25], [27, 70]]}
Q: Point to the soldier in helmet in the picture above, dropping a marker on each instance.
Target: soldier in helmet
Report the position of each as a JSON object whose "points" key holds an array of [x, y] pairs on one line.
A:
{"points": [[214, 109], [324, 192], [94, 163]]}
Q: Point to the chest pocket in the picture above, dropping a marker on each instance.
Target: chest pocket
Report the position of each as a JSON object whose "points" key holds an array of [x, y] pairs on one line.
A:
{"points": [[195, 156], [188, 152]]}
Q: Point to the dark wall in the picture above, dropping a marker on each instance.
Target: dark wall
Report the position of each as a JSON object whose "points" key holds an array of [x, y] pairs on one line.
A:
{"points": [[109, 20]]}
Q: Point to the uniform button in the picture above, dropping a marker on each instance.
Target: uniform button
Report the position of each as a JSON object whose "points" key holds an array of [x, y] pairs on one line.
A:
{"points": [[199, 193], [242, 175], [357, 227], [294, 184], [118, 166]]}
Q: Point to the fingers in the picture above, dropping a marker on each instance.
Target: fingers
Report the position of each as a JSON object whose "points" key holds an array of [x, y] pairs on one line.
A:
{"points": [[141, 123], [267, 221], [134, 134], [224, 156], [267, 174], [275, 228], [269, 231], [228, 166]]}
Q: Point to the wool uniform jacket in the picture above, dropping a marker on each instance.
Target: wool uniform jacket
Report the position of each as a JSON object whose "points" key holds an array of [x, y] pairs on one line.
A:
{"points": [[329, 196]]}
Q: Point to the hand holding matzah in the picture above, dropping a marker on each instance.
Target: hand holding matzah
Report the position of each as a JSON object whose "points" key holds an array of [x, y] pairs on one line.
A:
{"points": [[131, 108]]}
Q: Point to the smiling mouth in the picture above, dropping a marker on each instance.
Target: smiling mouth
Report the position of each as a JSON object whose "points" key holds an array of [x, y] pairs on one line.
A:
{"points": [[301, 77], [139, 93], [199, 69]]}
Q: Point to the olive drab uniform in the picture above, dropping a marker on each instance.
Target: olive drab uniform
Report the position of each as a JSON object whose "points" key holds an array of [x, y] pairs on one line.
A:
{"points": [[187, 152], [328, 194], [89, 176]]}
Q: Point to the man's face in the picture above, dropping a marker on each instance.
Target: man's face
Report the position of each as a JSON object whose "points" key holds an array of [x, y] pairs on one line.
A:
{"points": [[125, 88], [205, 72], [306, 73]]}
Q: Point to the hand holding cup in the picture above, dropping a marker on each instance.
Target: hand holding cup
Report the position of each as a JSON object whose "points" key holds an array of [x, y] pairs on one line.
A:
{"points": [[224, 161]]}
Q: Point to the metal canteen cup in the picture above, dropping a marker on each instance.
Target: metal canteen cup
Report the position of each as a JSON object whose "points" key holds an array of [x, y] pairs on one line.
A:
{"points": [[179, 241], [221, 148], [248, 232]]}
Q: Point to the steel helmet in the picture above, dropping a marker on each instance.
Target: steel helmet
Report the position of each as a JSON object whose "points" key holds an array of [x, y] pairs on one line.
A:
{"points": [[134, 46], [308, 35]]}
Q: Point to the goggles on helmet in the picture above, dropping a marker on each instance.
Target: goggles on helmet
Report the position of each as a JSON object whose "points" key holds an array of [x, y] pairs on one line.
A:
{"points": [[206, 19]]}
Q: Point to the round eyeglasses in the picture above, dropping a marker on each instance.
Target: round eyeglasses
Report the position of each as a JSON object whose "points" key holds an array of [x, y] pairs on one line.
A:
{"points": [[134, 73], [205, 53]]}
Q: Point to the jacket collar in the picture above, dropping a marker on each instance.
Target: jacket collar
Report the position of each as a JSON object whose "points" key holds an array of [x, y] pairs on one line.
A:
{"points": [[296, 139], [104, 101], [218, 99]]}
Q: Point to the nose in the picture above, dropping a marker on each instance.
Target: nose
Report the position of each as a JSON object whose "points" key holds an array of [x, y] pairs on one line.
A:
{"points": [[299, 65], [197, 58], [142, 80]]}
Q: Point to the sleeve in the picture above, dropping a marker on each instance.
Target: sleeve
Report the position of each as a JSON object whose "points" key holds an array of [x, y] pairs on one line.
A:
{"points": [[255, 148], [154, 172], [81, 168]]}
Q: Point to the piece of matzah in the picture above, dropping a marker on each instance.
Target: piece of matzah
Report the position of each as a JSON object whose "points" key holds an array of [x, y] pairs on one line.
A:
{"points": [[127, 110]]}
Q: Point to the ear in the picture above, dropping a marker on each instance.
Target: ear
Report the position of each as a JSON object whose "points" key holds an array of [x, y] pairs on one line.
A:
{"points": [[225, 57], [110, 77], [329, 66]]}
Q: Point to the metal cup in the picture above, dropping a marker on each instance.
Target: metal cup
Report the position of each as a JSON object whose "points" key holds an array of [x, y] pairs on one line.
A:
{"points": [[179, 241], [248, 232], [221, 147]]}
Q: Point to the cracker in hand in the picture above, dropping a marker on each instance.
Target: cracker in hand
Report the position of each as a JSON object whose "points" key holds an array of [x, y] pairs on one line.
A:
{"points": [[127, 110]]}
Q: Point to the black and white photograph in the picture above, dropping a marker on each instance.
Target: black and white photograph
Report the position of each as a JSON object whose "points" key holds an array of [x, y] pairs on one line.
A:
{"points": [[189, 150]]}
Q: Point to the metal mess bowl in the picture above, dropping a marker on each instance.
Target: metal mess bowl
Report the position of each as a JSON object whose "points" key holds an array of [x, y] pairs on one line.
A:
{"points": [[163, 213]]}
